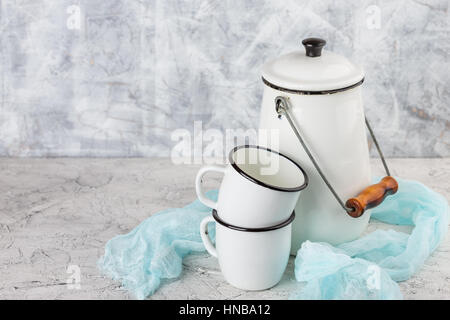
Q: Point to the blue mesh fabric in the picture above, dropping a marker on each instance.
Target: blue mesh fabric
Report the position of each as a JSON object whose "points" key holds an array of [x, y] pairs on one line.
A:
{"points": [[155, 249], [369, 267]]}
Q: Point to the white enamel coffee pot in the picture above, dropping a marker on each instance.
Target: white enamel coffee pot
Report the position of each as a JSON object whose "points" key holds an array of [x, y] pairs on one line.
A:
{"points": [[314, 99]]}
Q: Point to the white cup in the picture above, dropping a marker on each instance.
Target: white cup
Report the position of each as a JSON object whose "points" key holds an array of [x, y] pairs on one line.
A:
{"points": [[260, 187], [249, 258]]}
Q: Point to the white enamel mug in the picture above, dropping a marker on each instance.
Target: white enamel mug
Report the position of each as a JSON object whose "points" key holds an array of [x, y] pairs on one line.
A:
{"points": [[260, 187], [249, 258]]}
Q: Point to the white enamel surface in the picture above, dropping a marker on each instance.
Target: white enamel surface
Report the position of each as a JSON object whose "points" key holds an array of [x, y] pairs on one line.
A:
{"points": [[251, 260], [333, 128], [244, 203], [297, 71]]}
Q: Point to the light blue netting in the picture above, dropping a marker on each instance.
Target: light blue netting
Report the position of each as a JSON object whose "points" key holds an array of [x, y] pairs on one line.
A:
{"points": [[154, 250], [361, 269], [367, 268]]}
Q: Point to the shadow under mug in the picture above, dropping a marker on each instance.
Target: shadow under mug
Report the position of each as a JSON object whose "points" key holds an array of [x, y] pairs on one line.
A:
{"points": [[249, 258], [260, 187]]}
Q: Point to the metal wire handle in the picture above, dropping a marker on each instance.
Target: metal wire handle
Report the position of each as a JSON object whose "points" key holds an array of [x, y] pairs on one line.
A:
{"points": [[282, 107]]}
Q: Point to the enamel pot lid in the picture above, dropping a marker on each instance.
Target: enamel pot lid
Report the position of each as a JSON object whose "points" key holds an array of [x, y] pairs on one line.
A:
{"points": [[312, 71]]}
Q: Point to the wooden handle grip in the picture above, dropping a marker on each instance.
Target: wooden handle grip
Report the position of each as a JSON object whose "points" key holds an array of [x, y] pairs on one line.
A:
{"points": [[372, 196]]}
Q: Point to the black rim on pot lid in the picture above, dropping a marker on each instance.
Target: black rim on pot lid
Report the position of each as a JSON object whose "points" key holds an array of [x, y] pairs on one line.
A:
{"points": [[265, 229], [311, 93]]}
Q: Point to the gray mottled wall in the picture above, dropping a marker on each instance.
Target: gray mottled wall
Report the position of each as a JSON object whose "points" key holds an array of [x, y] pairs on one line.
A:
{"points": [[117, 77]]}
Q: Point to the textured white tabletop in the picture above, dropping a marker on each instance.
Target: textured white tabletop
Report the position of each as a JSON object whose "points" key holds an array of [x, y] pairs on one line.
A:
{"points": [[60, 212]]}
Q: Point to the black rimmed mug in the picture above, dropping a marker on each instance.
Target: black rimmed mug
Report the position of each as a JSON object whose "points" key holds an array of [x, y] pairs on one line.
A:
{"points": [[260, 187], [249, 258]]}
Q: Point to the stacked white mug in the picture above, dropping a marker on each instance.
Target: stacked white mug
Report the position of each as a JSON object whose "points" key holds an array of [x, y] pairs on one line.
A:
{"points": [[253, 215]]}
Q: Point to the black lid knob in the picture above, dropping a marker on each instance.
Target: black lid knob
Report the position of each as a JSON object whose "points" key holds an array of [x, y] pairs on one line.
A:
{"points": [[314, 46]]}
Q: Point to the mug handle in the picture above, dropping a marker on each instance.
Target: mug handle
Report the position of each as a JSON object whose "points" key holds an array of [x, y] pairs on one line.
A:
{"points": [[205, 238], [198, 184]]}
